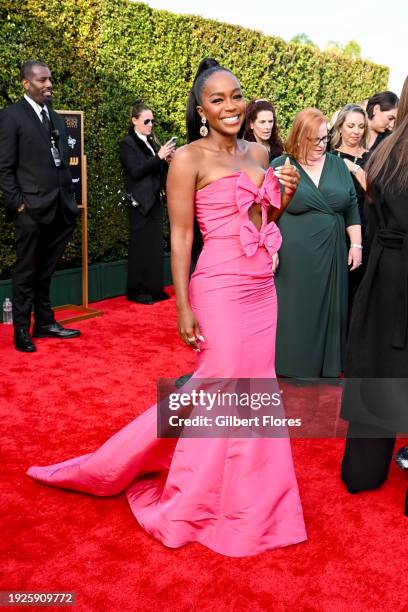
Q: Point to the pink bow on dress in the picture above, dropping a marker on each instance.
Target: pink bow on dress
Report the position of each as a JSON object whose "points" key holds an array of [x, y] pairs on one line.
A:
{"points": [[268, 236], [267, 195]]}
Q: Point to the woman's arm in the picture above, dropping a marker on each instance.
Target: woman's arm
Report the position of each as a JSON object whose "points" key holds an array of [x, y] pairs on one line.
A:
{"points": [[181, 188], [352, 220], [356, 247], [358, 172], [136, 164]]}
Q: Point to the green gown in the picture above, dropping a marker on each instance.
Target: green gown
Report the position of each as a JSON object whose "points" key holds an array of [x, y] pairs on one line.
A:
{"points": [[312, 277]]}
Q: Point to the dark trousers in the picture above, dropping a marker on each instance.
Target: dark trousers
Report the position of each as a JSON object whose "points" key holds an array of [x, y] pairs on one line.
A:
{"points": [[39, 247], [367, 459], [145, 260]]}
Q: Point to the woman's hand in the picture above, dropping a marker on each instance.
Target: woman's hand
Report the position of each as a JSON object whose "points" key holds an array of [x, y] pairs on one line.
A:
{"points": [[170, 157], [349, 164], [354, 168], [289, 177], [188, 329], [355, 257], [166, 150], [358, 173]]}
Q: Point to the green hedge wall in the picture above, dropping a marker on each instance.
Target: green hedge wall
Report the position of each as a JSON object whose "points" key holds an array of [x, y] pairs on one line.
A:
{"points": [[105, 53]]}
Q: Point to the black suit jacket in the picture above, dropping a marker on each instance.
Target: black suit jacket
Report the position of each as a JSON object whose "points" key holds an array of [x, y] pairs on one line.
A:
{"points": [[145, 174], [27, 170]]}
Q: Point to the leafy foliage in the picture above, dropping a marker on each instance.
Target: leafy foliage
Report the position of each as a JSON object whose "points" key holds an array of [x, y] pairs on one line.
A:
{"points": [[351, 49], [303, 39], [105, 53]]}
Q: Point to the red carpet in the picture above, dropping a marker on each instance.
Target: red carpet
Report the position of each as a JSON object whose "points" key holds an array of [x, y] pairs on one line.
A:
{"points": [[71, 395]]}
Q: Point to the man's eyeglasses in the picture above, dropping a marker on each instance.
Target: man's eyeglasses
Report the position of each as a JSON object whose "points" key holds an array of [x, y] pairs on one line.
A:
{"points": [[316, 141], [147, 121]]}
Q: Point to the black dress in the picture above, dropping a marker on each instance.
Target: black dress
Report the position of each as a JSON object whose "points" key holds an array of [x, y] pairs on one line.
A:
{"points": [[375, 400], [145, 175], [356, 276]]}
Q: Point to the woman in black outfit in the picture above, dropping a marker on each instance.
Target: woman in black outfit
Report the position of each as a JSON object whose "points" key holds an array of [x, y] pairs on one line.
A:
{"points": [[348, 140], [261, 127], [375, 400], [381, 110], [145, 165]]}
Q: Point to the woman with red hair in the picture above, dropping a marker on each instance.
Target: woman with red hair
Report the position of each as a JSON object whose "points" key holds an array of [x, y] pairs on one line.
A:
{"points": [[312, 277]]}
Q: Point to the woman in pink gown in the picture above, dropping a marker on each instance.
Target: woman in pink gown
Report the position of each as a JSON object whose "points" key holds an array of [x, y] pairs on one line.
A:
{"points": [[237, 496]]}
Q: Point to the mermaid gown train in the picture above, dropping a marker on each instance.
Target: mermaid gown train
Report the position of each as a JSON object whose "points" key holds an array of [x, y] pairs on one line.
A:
{"points": [[237, 496]]}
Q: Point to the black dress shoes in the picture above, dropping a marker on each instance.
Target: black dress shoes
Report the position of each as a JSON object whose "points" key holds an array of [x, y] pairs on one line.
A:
{"points": [[55, 330], [147, 298], [401, 459], [159, 297], [142, 298], [22, 340]]}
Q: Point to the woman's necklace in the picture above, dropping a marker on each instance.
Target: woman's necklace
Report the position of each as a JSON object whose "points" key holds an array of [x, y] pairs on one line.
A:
{"points": [[357, 157]]}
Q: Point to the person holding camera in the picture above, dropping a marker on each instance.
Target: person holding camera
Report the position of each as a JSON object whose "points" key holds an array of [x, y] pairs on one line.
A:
{"points": [[145, 165], [37, 184]]}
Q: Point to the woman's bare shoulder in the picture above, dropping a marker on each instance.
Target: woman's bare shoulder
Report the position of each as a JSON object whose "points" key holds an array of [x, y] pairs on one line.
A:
{"points": [[188, 153], [185, 166], [257, 153]]}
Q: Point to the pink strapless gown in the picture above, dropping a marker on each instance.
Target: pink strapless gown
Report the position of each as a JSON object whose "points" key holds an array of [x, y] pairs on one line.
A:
{"points": [[236, 496]]}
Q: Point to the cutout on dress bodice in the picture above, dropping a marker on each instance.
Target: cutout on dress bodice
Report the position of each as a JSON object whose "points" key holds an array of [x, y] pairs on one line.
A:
{"points": [[255, 215]]}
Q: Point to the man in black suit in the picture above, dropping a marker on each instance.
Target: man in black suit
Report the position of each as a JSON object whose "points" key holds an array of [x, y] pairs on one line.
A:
{"points": [[37, 184]]}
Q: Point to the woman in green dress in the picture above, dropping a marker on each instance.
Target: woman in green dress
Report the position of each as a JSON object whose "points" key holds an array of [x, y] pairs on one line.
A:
{"points": [[312, 278]]}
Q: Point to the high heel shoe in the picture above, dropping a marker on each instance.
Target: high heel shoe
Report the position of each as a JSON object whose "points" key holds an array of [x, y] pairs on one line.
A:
{"points": [[401, 459]]}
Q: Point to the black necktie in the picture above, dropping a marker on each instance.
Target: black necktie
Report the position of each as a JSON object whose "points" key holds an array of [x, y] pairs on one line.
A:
{"points": [[46, 122]]}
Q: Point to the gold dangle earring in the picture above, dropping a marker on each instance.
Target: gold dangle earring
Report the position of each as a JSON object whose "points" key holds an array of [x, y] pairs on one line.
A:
{"points": [[203, 128]]}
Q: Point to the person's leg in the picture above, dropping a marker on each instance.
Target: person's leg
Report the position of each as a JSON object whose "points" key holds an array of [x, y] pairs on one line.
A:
{"points": [[28, 235], [54, 238], [367, 457], [154, 273], [138, 258]]}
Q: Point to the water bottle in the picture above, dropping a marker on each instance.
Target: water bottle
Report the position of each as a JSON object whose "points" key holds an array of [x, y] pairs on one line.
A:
{"points": [[7, 311]]}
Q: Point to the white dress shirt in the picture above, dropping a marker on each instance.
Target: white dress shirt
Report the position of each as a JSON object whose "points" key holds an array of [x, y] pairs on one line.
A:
{"points": [[37, 108], [144, 138]]}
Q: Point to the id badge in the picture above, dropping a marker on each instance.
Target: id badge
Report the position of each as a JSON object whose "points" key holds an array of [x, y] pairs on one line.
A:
{"points": [[55, 154]]}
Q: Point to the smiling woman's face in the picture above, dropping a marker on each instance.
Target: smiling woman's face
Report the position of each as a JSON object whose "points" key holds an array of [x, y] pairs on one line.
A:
{"points": [[222, 103]]}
